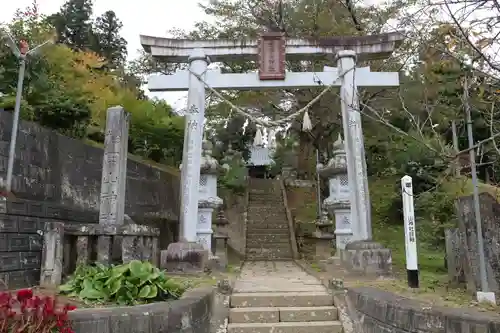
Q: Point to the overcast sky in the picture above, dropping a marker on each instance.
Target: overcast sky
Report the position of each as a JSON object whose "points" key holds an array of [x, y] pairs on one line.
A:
{"points": [[147, 17]]}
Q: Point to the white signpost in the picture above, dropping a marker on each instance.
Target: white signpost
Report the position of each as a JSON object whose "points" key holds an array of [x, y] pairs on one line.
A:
{"points": [[271, 50], [410, 232]]}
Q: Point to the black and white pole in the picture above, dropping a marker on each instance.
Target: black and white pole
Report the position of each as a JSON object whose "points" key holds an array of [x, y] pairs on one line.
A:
{"points": [[410, 234]]}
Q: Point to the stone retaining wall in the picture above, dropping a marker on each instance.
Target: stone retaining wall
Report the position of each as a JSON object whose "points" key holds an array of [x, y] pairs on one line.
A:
{"points": [[190, 314], [52, 167], [21, 228], [235, 208], [383, 312]]}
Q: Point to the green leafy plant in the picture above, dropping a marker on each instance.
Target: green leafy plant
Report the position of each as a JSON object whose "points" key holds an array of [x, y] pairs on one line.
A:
{"points": [[128, 284]]}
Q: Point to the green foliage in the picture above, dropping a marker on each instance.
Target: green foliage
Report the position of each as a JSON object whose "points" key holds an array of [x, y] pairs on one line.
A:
{"points": [[235, 179], [128, 284], [280, 158], [235, 135], [69, 86]]}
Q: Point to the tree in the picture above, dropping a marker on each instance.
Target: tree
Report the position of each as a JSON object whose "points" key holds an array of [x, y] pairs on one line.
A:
{"points": [[74, 25], [110, 44], [69, 89]]}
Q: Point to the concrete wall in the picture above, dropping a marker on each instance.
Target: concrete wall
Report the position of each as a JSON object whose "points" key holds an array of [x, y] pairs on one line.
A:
{"points": [[382, 312], [191, 314], [55, 168], [21, 226]]}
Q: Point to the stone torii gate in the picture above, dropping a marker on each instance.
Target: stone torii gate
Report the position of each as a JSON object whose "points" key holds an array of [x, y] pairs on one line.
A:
{"points": [[271, 50]]}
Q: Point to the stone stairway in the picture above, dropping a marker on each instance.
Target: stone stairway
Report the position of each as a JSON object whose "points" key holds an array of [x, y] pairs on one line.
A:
{"points": [[267, 233], [278, 297]]}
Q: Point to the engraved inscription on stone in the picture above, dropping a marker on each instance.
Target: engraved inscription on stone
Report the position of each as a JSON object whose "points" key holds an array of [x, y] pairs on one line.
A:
{"points": [[271, 57], [114, 167], [193, 124], [193, 109], [202, 221]]}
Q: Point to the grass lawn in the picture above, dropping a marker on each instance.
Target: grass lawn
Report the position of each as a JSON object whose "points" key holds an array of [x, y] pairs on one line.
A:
{"points": [[433, 275]]}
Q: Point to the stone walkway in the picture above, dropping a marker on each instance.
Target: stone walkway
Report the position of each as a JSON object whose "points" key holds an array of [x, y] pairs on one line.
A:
{"points": [[277, 276]]}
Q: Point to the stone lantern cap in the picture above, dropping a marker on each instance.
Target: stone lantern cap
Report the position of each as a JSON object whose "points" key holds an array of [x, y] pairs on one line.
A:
{"points": [[337, 164], [332, 204], [210, 202], [209, 164]]}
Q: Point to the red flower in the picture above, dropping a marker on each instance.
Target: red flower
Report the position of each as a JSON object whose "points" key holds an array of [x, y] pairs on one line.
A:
{"points": [[34, 314], [70, 307], [24, 294]]}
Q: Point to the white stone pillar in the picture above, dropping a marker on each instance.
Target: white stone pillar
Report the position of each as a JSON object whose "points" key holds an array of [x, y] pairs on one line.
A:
{"points": [[190, 173], [208, 199], [338, 203], [114, 167], [355, 149]]}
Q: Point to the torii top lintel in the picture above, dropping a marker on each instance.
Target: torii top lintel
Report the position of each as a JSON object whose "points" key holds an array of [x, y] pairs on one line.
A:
{"points": [[366, 47]]}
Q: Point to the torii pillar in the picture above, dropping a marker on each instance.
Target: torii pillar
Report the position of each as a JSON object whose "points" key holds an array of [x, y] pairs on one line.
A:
{"points": [[271, 50]]}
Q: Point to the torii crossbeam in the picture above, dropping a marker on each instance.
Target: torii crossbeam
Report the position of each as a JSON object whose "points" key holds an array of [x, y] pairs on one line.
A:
{"points": [[250, 81], [270, 50]]}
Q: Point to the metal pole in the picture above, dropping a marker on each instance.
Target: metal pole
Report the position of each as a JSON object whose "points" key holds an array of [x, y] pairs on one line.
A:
{"points": [[318, 185], [455, 146], [477, 212], [15, 122]]}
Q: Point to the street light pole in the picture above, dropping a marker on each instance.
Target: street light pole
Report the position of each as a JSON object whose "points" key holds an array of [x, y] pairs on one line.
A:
{"points": [[22, 55], [15, 122], [485, 295]]}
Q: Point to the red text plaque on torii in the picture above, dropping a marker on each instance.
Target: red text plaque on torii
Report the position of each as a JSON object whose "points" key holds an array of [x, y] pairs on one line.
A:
{"points": [[272, 49]]}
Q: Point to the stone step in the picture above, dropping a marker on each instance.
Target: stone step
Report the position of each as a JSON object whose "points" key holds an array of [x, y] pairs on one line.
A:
{"points": [[261, 240], [285, 314], [290, 327], [263, 215], [258, 242], [267, 217], [265, 230], [281, 299], [254, 315], [269, 223], [269, 255], [265, 207], [259, 258], [263, 198], [267, 247]]}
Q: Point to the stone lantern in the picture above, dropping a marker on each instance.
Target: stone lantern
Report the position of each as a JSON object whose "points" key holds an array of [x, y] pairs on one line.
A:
{"points": [[220, 238], [208, 199], [338, 203], [323, 237]]}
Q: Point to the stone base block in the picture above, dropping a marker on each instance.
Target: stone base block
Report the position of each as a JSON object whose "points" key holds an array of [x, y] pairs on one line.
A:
{"points": [[184, 257], [323, 247], [367, 258], [216, 263]]}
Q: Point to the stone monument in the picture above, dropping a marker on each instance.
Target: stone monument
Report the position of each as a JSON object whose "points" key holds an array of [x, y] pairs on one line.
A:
{"points": [[114, 167]]}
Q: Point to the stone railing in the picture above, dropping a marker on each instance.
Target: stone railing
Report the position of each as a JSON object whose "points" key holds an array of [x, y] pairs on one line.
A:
{"points": [[381, 311], [67, 246], [191, 314]]}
